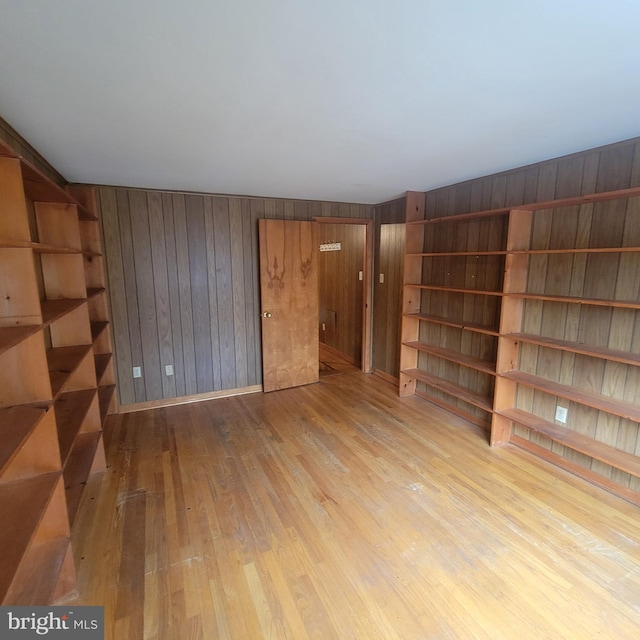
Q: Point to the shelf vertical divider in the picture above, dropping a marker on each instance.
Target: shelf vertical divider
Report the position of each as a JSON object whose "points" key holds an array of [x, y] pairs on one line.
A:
{"points": [[511, 312], [411, 296]]}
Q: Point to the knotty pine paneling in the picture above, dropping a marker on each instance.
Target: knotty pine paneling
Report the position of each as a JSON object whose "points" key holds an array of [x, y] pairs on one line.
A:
{"points": [[183, 278], [341, 290], [599, 275]]}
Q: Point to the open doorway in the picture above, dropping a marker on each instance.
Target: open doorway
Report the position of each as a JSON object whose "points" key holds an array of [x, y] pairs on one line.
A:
{"points": [[344, 277]]}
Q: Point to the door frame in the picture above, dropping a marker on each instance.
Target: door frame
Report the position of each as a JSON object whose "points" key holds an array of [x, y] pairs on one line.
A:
{"points": [[367, 284]]}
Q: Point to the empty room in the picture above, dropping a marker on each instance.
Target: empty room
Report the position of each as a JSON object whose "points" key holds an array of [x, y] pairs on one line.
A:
{"points": [[319, 320]]}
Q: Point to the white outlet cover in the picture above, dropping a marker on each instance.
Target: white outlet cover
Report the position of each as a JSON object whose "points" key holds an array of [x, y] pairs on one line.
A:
{"points": [[561, 414], [137, 372], [168, 369]]}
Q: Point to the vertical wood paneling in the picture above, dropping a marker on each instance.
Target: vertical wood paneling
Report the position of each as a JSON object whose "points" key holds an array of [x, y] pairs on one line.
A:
{"points": [[161, 289], [174, 296], [198, 273], [184, 277], [146, 295], [117, 291], [184, 293]]}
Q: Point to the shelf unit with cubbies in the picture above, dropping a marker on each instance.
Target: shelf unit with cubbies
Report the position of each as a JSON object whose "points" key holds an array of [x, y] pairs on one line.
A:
{"points": [[51, 409], [567, 330]]}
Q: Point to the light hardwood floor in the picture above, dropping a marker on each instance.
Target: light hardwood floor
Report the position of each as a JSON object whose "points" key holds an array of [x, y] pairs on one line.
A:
{"points": [[339, 510]]}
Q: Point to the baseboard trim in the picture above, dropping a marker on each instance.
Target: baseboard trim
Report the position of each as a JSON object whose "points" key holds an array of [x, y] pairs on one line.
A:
{"points": [[387, 377], [199, 397]]}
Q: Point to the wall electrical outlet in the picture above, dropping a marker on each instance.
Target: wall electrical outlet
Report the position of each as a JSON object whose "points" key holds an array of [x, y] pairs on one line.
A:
{"points": [[381, 278], [561, 414], [137, 372], [324, 326], [360, 275], [168, 369]]}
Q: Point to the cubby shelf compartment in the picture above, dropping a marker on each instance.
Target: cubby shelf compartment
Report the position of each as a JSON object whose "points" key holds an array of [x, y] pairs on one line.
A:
{"points": [[71, 412], [102, 361], [485, 366], [63, 362], [450, 388], [456, 324], [36, 583], [615, 355], [19, 524], [78, 468], [97, 328], [617, 458], [581, 396], [105, 394], [12, 336], [53, 310]]}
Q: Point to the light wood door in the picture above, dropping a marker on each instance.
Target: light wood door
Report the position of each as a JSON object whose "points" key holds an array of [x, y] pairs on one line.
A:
{"points": [[289, 298]]}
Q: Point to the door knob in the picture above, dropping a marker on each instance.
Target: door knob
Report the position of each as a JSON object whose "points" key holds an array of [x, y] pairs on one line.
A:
{"points": [[266, 314]]}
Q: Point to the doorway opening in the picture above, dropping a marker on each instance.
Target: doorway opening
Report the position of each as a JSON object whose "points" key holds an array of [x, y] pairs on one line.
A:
{"points": [[344, 274]]}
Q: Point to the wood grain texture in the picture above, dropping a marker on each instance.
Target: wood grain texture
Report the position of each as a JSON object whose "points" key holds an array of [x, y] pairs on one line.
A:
{"points": [[185, 290], [339, 510], [340, 289], [597, 275]]}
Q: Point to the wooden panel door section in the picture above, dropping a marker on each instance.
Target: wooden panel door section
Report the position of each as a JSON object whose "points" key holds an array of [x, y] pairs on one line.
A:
{"points": [[567, 327], [289, 298]]}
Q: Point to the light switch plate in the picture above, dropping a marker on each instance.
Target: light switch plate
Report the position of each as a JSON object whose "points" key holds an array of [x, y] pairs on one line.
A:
{"points": [[561, 414]]}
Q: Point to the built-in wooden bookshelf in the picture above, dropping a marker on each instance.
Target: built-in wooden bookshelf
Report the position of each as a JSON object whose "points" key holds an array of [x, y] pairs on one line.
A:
{"points": [[56, 375], [555, 286]]}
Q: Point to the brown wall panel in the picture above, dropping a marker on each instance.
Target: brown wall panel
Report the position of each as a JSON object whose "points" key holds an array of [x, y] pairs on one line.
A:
{"points": [[341, 290], [183, 276]]}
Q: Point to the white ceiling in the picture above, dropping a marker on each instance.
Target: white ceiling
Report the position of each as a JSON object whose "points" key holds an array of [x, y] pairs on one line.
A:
{"points": [[350, 100]]}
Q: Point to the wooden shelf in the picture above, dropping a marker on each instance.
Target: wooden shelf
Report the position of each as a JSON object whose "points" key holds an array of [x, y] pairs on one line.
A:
{"points": [[43, 563], [599, 302], [94, 292], [536, 206], [627, 462], [431, 287], [78, 468], [16, 424], [63, 361], [71, 409], [456, 324], [105, 393], [102, 362], [485, 366], [464, 254], [577, 347], [450, 388], [13, 336], [97, 328], [53, 310], [581, 396], [20, 523], [525, 252]]}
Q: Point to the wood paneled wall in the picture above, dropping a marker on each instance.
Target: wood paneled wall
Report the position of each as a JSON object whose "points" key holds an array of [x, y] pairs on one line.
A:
{"points": [[341, 290], [387, 295], [601, 275], [183, 283]]}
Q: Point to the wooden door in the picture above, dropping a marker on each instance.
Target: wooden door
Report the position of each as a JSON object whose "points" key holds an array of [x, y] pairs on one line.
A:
{"points": [[289, 298]]}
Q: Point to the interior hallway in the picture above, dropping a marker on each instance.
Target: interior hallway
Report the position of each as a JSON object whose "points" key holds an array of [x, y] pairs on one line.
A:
{"points": [[338, 510]]}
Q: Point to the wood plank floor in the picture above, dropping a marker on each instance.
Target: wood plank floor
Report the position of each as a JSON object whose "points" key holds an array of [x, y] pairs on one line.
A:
{"points": [[339, 510]]}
